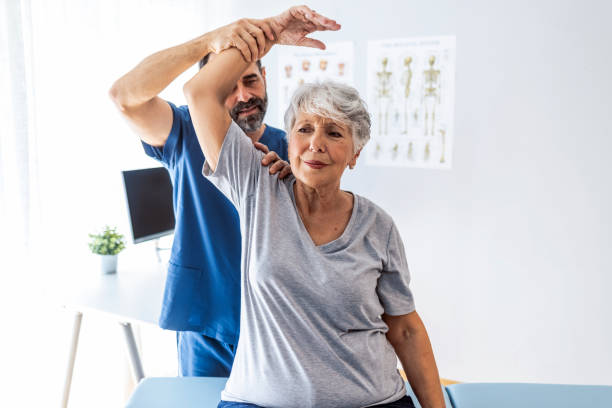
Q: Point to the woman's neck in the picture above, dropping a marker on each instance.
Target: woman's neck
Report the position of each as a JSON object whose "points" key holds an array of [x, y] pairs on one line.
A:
{"points": [[325, 199]]}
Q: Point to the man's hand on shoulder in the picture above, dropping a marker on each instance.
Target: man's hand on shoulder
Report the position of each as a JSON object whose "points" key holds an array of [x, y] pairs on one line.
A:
{"points": [[277, 165]]}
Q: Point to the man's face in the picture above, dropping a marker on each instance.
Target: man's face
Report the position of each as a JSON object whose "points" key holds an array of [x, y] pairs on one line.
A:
{"points": [[248, 102]]}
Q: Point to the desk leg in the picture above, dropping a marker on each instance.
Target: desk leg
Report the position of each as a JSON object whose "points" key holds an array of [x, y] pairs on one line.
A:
{"points": [[133, 352], [76, 329]]}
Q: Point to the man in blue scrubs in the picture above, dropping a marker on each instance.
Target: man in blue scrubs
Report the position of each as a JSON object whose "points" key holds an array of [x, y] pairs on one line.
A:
{"points": [[202, 294]]}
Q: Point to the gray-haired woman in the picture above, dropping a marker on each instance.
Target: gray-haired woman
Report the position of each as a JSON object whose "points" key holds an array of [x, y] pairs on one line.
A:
{"points": [[325, 302]]}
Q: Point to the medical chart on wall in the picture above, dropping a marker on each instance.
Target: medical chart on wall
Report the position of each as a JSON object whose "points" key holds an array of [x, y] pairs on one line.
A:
{"points": [[410, 95], [297, 65]]}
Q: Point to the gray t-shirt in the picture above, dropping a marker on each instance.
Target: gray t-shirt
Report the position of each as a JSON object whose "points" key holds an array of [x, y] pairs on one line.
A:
{"points": [[311, 332]]}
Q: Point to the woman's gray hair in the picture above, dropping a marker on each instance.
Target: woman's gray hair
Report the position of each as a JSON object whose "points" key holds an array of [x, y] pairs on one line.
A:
{"points": [[338, 102]]}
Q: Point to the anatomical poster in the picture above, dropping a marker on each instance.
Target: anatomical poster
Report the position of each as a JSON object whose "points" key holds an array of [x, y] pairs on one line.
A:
{"points": [[411, 95], [297, 65]]}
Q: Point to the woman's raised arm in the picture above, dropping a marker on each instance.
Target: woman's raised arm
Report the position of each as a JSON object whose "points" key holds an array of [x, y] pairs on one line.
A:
{"points": [[207, 91]]}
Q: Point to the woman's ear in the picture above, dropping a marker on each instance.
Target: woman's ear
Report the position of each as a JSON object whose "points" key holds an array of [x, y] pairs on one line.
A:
{"points": [[354, 159]]}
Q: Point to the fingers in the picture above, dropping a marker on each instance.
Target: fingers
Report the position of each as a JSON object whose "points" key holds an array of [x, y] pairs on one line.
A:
{"points": [[326, 23], [278, 166], [259, 36], [265, 26], [321, 22], [311, 42], [269, 158], [251, 44], [285, 171], [261, 147], [243, 46], [300, 13]]}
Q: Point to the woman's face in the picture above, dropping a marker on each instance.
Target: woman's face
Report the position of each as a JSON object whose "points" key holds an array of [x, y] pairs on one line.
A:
{"points": [[319, 150]]}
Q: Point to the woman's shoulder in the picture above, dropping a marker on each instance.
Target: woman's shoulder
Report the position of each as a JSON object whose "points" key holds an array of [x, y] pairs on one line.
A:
{"points": [[372, 212], [273, 184]]}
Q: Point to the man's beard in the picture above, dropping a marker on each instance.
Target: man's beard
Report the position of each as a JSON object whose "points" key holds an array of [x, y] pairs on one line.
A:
{"points": [[252, 122]]}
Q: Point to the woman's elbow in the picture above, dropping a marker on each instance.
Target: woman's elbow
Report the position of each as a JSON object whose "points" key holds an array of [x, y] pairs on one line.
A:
{"points": [[404, 329], [197, 95], [189, 91], [399, 336]]}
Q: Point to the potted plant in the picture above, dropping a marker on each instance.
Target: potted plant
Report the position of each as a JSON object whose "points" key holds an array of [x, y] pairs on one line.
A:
{"points": [[107, 244]]}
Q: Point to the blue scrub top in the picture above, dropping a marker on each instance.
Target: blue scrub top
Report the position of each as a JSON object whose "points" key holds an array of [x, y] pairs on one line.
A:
{"points": [[202, 290]]}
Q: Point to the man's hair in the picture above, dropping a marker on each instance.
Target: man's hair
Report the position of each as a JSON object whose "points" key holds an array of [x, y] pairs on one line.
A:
{"points": [[204, 61]]}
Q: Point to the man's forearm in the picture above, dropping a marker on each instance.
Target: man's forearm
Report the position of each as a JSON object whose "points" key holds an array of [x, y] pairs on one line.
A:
{"points": [[156, 72], [417, 358]]}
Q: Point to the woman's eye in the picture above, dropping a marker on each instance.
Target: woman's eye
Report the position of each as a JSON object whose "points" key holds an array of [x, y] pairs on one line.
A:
{"points": [[335, 134], [303, 130]]}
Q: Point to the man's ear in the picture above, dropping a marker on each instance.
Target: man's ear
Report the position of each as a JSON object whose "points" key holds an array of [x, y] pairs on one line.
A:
{"points": [[263, 75]]}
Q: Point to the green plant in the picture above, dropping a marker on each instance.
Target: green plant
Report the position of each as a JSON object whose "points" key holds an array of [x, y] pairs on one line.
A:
{"points": [[108, 242]]}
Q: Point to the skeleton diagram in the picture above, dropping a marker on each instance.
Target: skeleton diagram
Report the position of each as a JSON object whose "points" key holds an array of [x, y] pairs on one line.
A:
{"points": [[431, 95], [427, 152], [383, 93], [323, 64], [406, 79], [394, 151], [443, 135]]}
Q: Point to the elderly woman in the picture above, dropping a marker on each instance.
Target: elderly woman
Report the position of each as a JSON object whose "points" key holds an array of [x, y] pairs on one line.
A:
{"points": [[325, 302]]}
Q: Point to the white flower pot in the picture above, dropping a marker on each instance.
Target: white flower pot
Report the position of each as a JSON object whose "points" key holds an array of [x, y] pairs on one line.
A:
{"points": [[108, 264]]}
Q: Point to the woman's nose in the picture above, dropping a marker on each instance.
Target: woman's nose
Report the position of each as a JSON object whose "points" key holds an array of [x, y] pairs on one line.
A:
{"points": [[317, 142]]}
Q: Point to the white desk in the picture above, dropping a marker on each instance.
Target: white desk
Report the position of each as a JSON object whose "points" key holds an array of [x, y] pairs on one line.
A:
{"points": [[132, 295]]}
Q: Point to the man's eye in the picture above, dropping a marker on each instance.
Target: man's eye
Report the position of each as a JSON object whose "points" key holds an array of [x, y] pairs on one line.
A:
{"points": [[335, 134], [251, 82]]}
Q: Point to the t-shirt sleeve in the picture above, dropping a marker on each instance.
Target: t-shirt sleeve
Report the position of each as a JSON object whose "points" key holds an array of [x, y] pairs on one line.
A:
{"points": [[167, 154], [393, 285], [237, 171]]}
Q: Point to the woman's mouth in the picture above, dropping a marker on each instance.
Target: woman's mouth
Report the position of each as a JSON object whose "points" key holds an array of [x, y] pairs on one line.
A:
{"points": [[315, 164]]}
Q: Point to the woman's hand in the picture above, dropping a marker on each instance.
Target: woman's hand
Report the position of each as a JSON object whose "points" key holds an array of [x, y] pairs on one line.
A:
{"points": [[292, 26], [254, 38]]}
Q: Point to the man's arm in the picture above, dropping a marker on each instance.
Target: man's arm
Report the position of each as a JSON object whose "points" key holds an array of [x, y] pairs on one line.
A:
{"points": [[135, 93], [408, 336]]}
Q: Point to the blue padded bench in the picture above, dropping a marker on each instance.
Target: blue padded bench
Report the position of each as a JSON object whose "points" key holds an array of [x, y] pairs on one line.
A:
{"points": [[177, 392], [192, 392], [513, 395]]}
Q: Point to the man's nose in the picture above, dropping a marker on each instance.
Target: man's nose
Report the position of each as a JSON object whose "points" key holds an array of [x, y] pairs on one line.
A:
{"points": [[243, 93]]}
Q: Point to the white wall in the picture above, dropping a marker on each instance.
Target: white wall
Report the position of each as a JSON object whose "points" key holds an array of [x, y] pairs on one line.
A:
{"points": [[510, 250]]}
